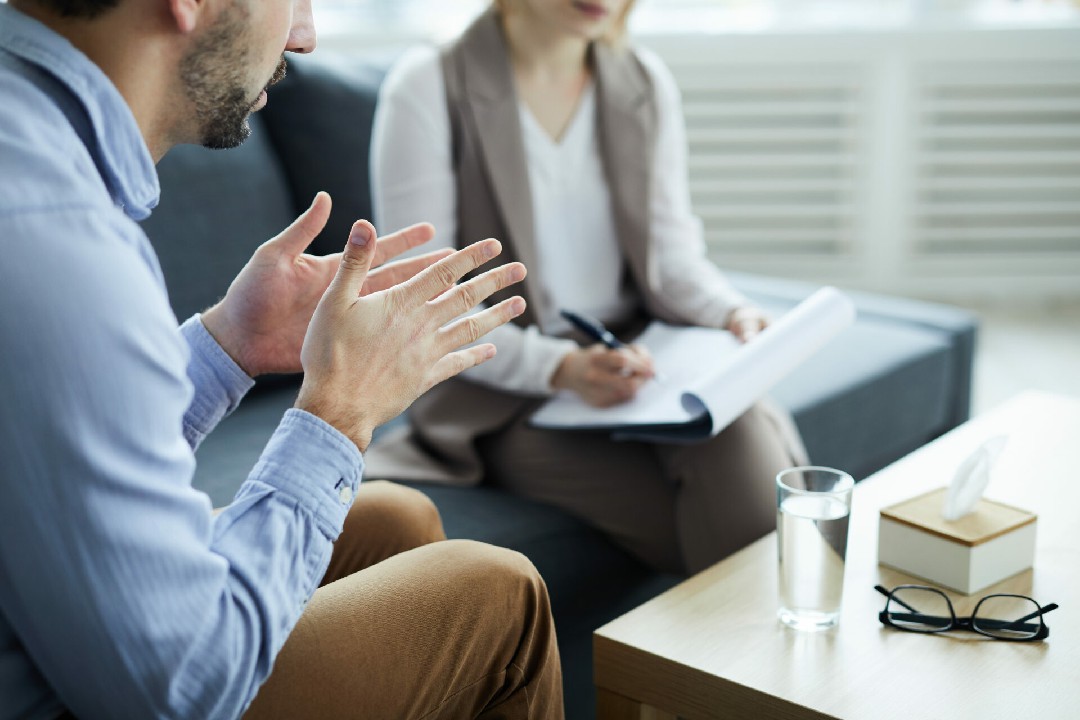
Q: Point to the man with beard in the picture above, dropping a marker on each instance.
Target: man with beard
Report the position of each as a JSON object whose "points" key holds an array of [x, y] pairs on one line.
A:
{"points": [[121, 594]]}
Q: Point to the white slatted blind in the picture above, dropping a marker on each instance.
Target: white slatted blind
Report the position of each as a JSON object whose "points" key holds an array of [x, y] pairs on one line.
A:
{"points": [[774, 151], [939, 160], [998, 159]]}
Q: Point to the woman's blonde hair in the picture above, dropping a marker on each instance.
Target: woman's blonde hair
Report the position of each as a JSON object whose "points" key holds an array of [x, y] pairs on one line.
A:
{"points": [[616, 34]]}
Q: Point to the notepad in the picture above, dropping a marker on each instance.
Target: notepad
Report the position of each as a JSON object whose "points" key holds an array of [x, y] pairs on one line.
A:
{"points": [[710, 378]]}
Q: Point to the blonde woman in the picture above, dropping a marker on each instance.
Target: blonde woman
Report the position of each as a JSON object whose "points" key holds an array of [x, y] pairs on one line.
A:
{"points": [[542, 127]]}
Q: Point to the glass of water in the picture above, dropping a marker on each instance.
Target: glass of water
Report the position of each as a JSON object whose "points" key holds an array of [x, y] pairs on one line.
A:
{"points": [[813, 506]]}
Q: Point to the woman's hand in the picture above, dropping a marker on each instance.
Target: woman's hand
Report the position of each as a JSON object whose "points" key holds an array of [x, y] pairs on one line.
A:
{"points": [[604, 377], [745, 322]]}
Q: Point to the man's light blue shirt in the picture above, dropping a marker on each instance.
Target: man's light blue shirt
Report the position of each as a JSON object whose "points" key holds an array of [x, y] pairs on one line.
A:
{"points": [[121, 596]]}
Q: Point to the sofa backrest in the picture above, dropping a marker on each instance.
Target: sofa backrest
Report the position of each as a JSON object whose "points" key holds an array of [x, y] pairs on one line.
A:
{"points": [[217, 206]]}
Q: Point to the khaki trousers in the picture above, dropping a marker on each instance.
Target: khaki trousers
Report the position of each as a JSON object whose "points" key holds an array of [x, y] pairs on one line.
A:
{"points": [[680, 508], [410, 625]]}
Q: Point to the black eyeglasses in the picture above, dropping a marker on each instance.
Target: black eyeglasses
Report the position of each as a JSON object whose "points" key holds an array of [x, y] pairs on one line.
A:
{"points": [[921, 609]]}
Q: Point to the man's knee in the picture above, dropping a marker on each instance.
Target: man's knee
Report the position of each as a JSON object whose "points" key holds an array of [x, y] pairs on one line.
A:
{"points": [[392, 510], [501, 574]]}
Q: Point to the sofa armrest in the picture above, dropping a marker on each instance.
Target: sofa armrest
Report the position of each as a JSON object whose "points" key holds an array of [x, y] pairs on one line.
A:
{"points": [[958, 325]]}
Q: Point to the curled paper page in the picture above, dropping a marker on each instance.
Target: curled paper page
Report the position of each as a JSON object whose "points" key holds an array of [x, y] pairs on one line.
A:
{"points": [[710, 378], [971, 479], [745, 376]]}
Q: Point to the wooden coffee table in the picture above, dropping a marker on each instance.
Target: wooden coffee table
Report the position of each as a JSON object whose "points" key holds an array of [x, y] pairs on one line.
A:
{"points": [[713, 648]]}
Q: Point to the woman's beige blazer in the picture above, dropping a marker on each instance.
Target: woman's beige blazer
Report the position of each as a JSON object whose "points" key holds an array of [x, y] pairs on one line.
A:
{"points": [[494, 201]]}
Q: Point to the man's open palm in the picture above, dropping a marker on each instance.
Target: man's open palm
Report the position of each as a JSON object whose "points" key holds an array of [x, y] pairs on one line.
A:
{"points": [[264, 316]]}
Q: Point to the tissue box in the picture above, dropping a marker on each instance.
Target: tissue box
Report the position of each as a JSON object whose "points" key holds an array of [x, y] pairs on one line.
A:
{"points": [[987, 545]]}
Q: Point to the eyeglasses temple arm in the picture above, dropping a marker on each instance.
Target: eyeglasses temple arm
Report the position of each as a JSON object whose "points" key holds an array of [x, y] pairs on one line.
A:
{"points": [[917, 616], [1020, 622], [889, 595], [1037, 613]]}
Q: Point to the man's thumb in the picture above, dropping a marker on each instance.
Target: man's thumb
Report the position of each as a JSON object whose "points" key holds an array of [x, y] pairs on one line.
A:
{"points": [[296, 238], [355, 261]]}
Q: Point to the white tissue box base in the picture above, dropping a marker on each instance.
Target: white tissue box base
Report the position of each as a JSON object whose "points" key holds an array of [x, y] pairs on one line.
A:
{"points": [[965, 568]]}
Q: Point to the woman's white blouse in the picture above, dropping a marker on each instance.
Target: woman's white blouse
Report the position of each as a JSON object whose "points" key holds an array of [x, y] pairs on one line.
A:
{"points": [[581, 264]]}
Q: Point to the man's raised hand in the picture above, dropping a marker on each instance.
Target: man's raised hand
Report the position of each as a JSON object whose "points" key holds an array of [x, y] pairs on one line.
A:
{"points": [[262, 321], [366, 357]]}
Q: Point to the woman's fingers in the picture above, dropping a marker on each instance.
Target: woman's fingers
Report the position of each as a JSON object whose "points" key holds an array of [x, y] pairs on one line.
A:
{"points": [[625, 362]]}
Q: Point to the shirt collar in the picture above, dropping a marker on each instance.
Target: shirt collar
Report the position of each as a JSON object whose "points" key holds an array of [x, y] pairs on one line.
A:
{"points": [[120, 151]]}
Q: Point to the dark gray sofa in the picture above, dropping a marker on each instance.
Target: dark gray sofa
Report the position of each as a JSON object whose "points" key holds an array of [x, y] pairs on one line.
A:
{"points": [[897, 379]]}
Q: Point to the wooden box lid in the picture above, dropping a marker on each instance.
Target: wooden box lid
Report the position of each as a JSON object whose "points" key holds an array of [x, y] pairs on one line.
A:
{"points": [[989, 520]]}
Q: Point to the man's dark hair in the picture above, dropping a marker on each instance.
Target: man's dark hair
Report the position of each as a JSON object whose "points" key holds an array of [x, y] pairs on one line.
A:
{"points": [[85, 9]]}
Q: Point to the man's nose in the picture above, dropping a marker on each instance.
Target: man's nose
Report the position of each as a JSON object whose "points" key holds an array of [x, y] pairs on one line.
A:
{"points": [[302, 35]]}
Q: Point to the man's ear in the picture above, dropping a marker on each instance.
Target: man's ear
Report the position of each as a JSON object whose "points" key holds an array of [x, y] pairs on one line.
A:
{"points": [[186, 13]]}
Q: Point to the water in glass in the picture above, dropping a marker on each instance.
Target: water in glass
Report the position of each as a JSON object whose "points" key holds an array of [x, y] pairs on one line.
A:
{"points": [[812, 536]]}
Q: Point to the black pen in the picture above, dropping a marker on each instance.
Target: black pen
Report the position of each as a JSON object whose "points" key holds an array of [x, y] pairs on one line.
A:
{"points": [[593, 328], [596, 330]]}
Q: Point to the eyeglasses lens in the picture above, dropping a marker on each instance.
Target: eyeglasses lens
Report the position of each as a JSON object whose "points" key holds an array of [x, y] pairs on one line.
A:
{"points": [[1008, 616], [919, 609]]}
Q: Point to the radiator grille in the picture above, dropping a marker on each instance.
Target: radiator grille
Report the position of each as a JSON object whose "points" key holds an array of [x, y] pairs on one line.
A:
{"points": [[774, 156], [997, 159]]}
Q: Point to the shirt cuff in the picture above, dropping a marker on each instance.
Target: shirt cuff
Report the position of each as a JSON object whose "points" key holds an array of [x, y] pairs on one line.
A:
{"points": [[219, 382], [314, 464], [723, 308], [551, 356]]}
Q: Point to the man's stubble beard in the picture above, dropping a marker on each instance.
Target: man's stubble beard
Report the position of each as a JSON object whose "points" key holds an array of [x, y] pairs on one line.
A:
{"points": [[213, 76]]}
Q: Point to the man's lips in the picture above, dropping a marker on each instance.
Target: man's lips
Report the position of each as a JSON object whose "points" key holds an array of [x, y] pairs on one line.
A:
{"points": [[278, 76]]}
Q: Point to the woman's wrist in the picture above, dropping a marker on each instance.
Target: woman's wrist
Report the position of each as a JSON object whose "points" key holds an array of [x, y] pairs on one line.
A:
{"points": [[560, 378]]}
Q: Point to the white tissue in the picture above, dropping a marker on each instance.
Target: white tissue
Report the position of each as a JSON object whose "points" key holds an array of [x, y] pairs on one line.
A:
{"points": [[971, 479]]}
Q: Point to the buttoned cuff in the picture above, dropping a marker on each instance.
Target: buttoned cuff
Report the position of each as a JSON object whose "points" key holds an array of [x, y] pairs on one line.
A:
{"points": [[220, 384], [315, 465]]}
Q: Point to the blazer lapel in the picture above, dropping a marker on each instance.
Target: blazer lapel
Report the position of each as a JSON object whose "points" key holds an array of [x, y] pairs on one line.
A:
{"points": [[493, 103], [626, 125]]}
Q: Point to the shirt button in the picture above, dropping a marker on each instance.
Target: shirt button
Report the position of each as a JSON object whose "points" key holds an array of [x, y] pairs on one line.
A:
{"points": [[345, 494]]}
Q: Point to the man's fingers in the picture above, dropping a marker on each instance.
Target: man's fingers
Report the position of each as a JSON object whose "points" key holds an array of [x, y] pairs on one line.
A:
{"points": [[296, 238], [355, 262], [398, 272], [442, 275], [458, 362], [471, 328], [392, 245], [464, 297]]}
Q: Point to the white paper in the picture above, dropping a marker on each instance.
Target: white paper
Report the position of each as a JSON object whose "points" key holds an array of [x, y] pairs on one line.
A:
{"points": [[710, 379]]}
